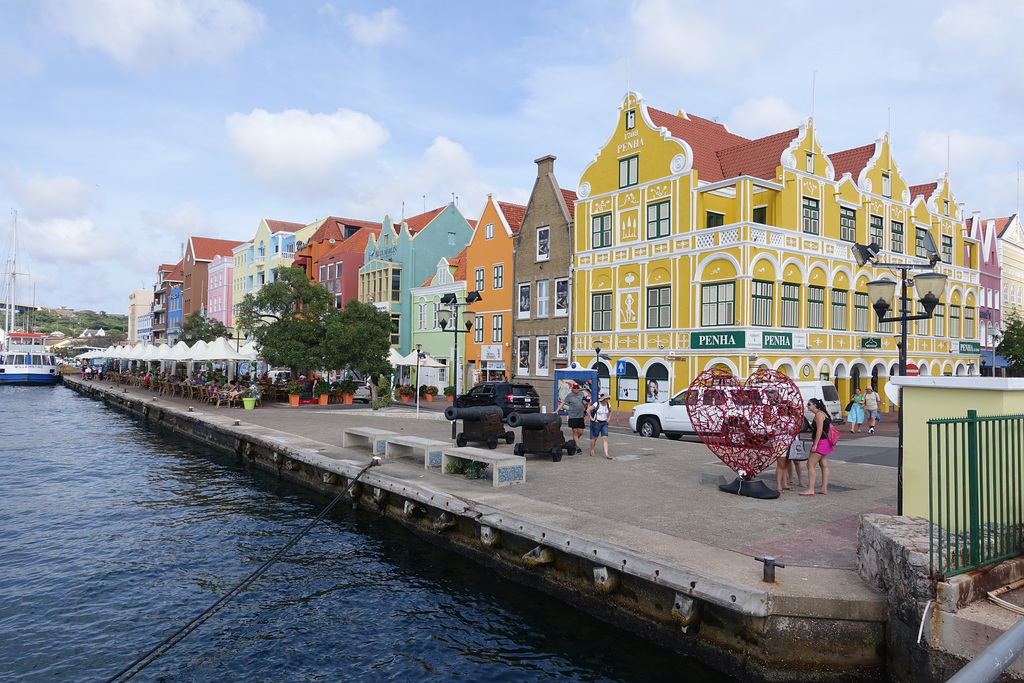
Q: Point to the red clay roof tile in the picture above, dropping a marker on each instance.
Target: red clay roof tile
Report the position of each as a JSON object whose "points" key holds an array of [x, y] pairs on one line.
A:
{"points": [[513, 214], [759, 158], [851, 161], [570, 201], [925, 190], [705, 138], [206, 248], [285, 226]]}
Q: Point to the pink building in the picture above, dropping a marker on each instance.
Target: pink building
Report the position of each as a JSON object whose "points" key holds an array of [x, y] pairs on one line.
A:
{"points": [[218, 296]]}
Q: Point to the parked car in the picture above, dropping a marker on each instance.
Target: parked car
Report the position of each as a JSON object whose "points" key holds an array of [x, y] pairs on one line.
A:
{"points": [[362, 393], [511, 397], [734, 418]]}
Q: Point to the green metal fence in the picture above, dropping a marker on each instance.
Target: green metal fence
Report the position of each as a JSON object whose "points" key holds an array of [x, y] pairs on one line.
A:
{"points": [[975, 474]]}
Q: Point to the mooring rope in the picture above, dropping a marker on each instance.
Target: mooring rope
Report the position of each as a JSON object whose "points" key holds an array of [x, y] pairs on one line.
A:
{"points": [[179, 635]]}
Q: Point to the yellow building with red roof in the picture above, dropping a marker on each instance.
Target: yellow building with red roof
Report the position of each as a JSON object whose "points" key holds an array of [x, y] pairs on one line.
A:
{"points": [[696, 247]]}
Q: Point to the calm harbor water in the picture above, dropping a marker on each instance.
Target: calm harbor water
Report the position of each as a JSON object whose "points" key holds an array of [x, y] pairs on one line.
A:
{"points": [[113, 537]]}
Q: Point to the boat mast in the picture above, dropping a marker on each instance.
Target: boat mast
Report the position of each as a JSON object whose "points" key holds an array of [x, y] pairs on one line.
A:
{"points": [[9, 286]]}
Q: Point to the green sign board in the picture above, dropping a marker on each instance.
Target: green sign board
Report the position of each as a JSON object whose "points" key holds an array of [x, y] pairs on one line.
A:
{"points": [[870, 342], [970, 347], [723, 339], [777, 340]]}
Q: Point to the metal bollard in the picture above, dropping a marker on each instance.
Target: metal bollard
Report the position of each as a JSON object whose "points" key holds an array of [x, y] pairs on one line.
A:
{"points": [[769, 568]]}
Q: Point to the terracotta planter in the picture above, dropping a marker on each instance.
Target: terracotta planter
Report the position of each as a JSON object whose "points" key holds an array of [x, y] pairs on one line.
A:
{"points": [[346, 399], [405, 399], [293, 400], [322, 399], [449, 398], [429, 397]]}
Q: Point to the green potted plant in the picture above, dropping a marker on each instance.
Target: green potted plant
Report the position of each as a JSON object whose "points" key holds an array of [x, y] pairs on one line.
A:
{"points": [[449, 393], [322, 390], [295, 388], [406, 392], [251, 395], [428, 392], [347, 387]]}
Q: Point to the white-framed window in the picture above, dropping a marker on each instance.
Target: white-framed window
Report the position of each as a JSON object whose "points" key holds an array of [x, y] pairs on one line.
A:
{"points": [[562, 346], [478, 280], [524, 300], [631, 119], [489, 231], [629, 171], [810, 162], [478, 329], [543, 243], [811, 222], [789, 305], [542, 299], [498, 281], [847, 224], [323, 273], [886, 185], [422, 316], [717, 304], [497, 327], [561, 297], [523, 358], [543, 360]]}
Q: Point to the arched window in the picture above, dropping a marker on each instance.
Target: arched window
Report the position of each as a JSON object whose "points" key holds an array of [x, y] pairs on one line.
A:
{"points": [[629, 384], [656, 386]]}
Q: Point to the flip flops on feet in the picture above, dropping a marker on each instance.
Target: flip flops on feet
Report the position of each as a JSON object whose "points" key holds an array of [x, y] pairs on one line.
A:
{"points": [[807, 493]]}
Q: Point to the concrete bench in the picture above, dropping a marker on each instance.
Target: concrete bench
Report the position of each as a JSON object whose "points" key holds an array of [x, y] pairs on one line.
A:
{"points": [[407, 445], [505, 469], [376, 439]]}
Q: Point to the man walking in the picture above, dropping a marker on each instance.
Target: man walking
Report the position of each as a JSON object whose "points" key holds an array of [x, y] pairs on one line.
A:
{"points": [[575, 407]]}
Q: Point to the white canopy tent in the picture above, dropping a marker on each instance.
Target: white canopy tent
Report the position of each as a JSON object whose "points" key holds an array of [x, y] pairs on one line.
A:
{"points": [[221, 351]]}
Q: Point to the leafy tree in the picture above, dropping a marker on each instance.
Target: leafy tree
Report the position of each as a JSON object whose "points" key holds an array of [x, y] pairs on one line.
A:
{"points": [[1011, 346], [289, 318], [195, 327], [359, 337]]}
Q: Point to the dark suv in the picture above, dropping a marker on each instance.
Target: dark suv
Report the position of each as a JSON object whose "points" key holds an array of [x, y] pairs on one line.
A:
{"points": [[511, 397]]}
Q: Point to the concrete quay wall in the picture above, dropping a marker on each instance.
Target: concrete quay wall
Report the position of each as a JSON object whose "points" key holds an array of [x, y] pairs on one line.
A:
{"points": [[748, 631]]}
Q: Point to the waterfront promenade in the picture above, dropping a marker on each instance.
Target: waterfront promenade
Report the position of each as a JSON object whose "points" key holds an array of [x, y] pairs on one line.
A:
{"points": [[649, 499]]}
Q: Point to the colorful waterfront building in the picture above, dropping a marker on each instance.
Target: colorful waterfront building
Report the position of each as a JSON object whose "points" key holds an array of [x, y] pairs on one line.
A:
{"points": [[139, 303], [338, 269], [987, 234], [439, 345], [489, 269], [327, 234], [174, 317], [167, 277], [219, 298], [698, 248], [195, 286], [407, 253], [542, 326], [272, 246]]}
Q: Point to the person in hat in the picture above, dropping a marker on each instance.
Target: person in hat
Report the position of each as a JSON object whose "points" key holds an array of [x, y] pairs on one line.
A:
{"points": [[575, 406], [599, 414]]}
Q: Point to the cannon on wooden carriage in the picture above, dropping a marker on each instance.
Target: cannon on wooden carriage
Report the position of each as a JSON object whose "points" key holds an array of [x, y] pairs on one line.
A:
{"points": [[542, 435], [479, 423]]}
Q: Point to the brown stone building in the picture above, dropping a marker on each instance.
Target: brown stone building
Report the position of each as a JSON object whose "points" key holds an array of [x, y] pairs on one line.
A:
{"points": [[199, 252], [541, 320]]}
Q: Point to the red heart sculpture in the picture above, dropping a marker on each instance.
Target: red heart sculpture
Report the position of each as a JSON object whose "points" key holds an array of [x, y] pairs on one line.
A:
{"points": [[748, 425]]}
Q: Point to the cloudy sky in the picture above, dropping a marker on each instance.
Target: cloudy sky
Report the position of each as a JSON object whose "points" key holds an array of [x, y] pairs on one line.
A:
{"points": [[126, 125]]}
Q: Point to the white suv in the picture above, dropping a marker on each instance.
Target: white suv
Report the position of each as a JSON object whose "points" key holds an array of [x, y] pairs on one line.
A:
{"points": [[735, 419]]}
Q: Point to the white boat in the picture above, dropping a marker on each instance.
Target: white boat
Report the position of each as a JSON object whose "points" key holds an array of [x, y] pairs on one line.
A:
{"points": [[24, 359]]}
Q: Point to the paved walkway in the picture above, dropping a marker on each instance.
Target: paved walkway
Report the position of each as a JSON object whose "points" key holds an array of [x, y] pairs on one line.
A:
{"points": [[651, 484]]}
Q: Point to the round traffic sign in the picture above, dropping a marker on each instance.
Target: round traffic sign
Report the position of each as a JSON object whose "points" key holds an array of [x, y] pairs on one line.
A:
{"points": [[912, 370]]}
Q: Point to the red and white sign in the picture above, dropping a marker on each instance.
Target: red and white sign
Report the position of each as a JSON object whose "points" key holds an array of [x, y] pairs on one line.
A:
{"points": [[912, 370]]}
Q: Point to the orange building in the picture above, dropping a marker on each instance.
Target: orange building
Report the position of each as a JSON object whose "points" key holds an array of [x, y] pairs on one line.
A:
{"points": [[330, 232], [489, 272]]}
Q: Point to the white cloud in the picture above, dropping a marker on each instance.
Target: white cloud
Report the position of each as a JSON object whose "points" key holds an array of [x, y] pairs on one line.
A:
{"points": [[298, 153], [763, 116], [687, 37], [68, 240], [177, 224], [43, 198], [383, 27], [147, 34]]}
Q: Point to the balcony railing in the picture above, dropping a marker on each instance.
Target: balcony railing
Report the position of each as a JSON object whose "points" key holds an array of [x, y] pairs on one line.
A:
{"points": [[260, 259]]}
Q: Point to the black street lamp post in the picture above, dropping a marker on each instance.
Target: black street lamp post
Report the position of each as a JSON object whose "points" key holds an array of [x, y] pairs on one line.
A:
{"points": [[929, 288], [445, 316]]}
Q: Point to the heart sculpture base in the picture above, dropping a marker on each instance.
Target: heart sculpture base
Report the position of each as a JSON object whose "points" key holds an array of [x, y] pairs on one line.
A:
{"points": [[751, 489]]}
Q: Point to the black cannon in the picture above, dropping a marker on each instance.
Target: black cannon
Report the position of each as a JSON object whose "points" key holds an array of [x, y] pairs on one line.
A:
{"points": [[542, 435], [479, 423]]}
